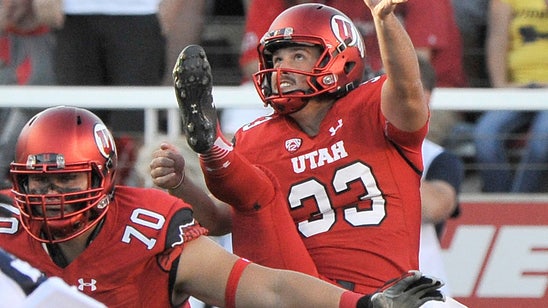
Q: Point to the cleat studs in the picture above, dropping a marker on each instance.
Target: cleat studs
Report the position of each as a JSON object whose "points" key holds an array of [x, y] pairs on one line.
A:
{"points": [[193, 84], [190, 127]]}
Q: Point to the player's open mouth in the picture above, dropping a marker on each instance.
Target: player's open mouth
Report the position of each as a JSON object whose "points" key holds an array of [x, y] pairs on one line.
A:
{"points": [[285, 84]]}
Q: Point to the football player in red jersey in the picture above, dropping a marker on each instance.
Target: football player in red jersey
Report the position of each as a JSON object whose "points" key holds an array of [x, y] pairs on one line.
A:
{"points": [[345, 155], [135, 247]]}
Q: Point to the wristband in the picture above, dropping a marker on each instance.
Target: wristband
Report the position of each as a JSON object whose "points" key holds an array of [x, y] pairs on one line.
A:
{"points": [[180, 182], [233, 280]]}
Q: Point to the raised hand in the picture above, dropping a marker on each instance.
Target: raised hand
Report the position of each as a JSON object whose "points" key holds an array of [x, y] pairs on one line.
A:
{"points": [[381, 8], [167, 167]]}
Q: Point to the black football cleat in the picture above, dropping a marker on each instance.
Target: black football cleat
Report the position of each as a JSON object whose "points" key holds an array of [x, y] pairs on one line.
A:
{"points": [[193, 84]]}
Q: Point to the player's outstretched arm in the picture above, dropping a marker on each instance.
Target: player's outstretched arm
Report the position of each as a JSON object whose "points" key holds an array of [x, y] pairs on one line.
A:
{"points": [[403, 102], [213, 275]]}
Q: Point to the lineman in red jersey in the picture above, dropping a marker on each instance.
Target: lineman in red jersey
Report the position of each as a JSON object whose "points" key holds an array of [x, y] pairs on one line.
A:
{"points": [[135, 247], [347, 156]]}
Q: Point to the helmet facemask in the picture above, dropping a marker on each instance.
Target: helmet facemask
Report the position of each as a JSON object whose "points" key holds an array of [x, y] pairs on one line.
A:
{"points": [[319, 81], [75, 210]]}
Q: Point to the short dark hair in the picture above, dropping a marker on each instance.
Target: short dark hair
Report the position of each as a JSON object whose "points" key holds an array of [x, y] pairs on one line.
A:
{"points": [[428, 74]]}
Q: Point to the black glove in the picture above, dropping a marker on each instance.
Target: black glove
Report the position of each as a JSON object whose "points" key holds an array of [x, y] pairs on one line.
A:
{"points": [[409, 291]]}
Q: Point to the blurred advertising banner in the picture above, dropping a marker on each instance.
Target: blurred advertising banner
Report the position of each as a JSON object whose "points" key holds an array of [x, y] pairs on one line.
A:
{"points": [[496, 251]]}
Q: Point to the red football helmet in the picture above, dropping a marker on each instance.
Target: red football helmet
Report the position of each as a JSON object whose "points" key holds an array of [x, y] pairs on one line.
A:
{"points": [[63, 140], [339, 69]]}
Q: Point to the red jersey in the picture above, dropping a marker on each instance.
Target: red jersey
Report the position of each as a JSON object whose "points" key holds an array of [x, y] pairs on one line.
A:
{"points": [[263, 231], [352, 190], [129, 262]]}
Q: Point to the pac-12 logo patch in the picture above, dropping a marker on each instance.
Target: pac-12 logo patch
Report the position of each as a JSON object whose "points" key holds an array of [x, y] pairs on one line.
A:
{"points": [[293, 144]]}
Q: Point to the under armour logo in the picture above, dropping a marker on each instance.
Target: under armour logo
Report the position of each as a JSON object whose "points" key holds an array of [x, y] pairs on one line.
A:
{"points": [[334, 130], [83, 284]]}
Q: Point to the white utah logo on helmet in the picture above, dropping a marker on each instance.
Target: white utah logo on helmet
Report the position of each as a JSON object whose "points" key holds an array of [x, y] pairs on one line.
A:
{"points": [[104, 140], [346, 33]]}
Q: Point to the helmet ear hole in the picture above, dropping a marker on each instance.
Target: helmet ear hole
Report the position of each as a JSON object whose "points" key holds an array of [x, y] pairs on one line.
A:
{"points": [[349, 66]]}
